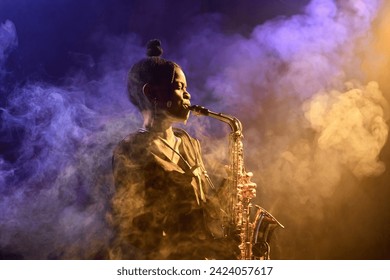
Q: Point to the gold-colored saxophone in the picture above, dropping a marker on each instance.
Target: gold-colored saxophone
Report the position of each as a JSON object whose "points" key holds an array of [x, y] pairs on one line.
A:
{"points": [[253, 230]]}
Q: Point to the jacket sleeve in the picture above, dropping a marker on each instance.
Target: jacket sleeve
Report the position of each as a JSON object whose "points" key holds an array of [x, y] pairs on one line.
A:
{"points": [[134, 235]]}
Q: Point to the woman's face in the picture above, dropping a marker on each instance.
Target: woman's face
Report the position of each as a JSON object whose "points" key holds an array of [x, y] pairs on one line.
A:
{"points": [[176, 98]]}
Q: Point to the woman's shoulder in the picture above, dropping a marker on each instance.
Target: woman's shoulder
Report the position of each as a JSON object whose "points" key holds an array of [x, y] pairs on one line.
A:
{"points": [[134, 142], [187, 139], [179, 132]]}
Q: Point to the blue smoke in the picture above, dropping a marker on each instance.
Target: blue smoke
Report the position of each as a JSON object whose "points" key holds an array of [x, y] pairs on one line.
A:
{"points": [[56, 179]]}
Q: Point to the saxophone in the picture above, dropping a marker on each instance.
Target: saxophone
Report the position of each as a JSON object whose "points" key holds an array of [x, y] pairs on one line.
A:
{"points": [[252, 230]]}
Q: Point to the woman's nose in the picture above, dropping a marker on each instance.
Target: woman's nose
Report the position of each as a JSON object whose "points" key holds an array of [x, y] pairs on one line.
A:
{"points": [[187, 95]]}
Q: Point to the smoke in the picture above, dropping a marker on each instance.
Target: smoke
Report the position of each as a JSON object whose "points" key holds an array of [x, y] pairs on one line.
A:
{"points": [[313, 112], [351, 127], [56, 181], [315, 120], [294, 71], [53, 193], [8, 41]]}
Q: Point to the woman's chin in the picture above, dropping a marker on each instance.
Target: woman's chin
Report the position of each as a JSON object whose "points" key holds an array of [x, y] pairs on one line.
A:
{"points": [[179, 117]]}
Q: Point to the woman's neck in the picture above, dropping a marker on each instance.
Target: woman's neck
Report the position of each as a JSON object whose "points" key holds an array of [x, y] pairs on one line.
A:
{"points": [[161, 127]]}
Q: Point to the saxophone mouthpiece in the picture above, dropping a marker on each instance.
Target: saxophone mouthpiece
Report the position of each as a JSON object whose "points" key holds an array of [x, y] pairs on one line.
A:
{"points": [[233, 122], [199, 110]]}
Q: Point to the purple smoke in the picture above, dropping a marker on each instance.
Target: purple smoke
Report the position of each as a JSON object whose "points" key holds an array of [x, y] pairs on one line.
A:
{"points": [[56, 186]]}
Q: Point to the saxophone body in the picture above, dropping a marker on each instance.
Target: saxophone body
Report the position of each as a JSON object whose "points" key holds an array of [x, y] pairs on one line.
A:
{"points": [[251, 226]]}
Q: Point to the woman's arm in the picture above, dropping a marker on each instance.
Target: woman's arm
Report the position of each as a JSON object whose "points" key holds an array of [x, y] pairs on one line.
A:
{"points": [[135, 237]]}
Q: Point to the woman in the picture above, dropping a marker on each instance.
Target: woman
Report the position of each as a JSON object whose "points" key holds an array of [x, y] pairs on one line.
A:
{"points": [[165, 206]]}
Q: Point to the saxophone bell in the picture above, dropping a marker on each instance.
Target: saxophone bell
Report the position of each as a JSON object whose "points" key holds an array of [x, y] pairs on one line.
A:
{"points": [[263, 228]]}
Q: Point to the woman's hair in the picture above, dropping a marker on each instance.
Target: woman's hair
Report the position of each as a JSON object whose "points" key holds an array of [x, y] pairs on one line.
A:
{"points": [[153, 70]]}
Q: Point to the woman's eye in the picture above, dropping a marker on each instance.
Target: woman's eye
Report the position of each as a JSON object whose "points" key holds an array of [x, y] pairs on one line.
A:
{"points": [[179, 87]]}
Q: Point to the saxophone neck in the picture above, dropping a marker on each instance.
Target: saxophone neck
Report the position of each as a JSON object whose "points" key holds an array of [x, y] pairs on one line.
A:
{"points": [[233, 122]]}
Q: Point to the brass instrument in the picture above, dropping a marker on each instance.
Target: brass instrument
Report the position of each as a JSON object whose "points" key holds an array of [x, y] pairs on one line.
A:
{"points": [[254, 236]]}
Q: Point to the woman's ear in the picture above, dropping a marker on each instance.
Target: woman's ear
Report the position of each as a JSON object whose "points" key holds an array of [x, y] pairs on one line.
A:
{"points": [[148, 91]]}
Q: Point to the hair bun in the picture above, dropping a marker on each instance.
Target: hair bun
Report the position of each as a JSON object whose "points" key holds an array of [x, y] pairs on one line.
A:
{"points": [[153, 48]]}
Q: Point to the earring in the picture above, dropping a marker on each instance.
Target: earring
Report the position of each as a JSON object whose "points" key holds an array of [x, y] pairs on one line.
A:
{"points": [[154, 108], [155, 103], [169, 104]]}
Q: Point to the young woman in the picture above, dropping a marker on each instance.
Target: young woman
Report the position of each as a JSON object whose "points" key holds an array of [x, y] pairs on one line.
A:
{"points": [[165, 206]]}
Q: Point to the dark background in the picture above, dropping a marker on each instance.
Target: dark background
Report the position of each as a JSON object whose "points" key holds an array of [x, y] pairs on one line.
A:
{"points": [[50, 32]]}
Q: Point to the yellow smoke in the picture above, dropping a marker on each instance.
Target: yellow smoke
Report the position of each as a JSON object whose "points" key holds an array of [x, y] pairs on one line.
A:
{"points": [[351, 126], [376, 62]]}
